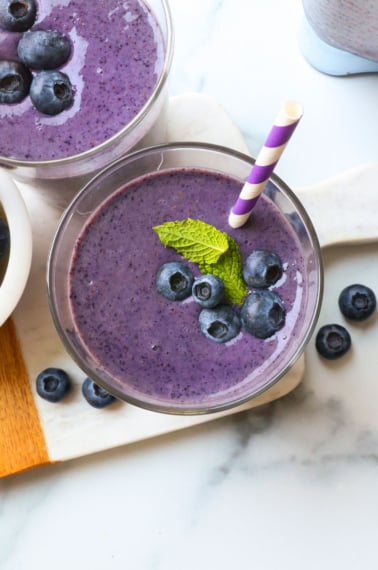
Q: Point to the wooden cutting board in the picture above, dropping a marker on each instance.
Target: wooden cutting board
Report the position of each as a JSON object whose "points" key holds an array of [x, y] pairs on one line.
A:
{"points": [[34, 432]]}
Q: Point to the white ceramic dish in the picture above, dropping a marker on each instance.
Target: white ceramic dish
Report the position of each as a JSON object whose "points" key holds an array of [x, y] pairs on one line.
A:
{"points": [[20, 254]]}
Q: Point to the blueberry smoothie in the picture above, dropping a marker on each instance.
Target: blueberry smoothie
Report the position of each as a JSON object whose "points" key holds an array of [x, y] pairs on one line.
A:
{"points": [[151, 346], [116, 58]]}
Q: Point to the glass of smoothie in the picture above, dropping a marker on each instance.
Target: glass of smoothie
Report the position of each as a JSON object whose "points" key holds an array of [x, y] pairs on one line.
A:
{"points": [[105, 267], [116, 59]]}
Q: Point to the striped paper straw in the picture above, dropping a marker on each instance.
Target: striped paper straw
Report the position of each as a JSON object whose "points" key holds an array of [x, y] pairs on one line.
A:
{"points": [[283, 127]]}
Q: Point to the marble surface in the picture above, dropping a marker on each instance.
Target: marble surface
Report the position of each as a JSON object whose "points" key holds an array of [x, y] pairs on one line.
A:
{"points": [[291, 485]]}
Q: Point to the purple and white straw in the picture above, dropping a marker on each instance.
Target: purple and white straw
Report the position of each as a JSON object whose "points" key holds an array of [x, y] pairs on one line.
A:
{"points": [[280, 134]]}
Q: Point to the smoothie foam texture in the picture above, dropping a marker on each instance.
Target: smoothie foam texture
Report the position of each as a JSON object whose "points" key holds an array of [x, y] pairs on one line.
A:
{"points": [[152, 346]]}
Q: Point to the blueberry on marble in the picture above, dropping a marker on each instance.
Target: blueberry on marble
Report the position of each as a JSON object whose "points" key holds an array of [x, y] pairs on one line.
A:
{"points": [[219, 324], [263, 313], [4, 238], [44, 49], [357, 302], [333, 341], [51, 92], [262, 268], [174, 281], [208, 291], [17, 15], [53, 384], [95, 395], [15, 81]]}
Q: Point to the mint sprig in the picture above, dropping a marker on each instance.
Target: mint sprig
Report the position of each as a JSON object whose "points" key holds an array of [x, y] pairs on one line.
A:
{"points": [[229, 268], [214, 251], [195, 240]]}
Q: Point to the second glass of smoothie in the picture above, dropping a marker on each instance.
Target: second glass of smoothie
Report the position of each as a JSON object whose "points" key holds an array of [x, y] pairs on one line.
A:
{"points": [[143, 347], [120, 56]]}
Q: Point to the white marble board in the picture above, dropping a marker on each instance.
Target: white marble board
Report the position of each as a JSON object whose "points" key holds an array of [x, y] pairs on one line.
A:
{"points": [[73, 428]]}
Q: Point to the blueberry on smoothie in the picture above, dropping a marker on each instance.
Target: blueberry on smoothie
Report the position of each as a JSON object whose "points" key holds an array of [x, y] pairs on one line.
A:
{"points": [[357, 302], [262, 268], [220, 324], [44, 49], [4, 238], [15, 81], [51, 92], [95, 395], [208, 291], [17, 15], [263, 313], [53, 384], [174, 281], [332, 341]]}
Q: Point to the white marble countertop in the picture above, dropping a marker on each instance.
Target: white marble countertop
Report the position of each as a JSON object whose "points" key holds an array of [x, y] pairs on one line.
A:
{"points": [[292, 485]]}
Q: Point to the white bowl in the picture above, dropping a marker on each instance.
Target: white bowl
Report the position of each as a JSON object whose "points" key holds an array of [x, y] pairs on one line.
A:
{"points": [[20, 254]]}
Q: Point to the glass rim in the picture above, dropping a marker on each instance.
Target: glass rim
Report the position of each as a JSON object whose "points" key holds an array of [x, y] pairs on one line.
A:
{"points": [[198, 409], [10, 163]]}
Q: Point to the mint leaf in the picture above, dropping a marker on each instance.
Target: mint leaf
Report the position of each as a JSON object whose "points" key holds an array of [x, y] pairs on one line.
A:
{"points": [[214, 251], [229, 268], [195, 240]]}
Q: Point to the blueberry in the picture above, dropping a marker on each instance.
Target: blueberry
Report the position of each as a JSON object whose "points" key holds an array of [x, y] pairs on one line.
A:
{"points": [[208, 291], [4, 238], [51, 92], [262, 268], [333, 341], [219, 324], [17, 15], [174, 281], [263, 313], [95, 395], [44, 49], [53, 384], [357, 302], [15, 80]]}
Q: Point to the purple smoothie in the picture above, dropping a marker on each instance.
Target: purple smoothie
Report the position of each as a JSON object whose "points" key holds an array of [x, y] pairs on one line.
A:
{"points": [[116, 60], [152, 345]]}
